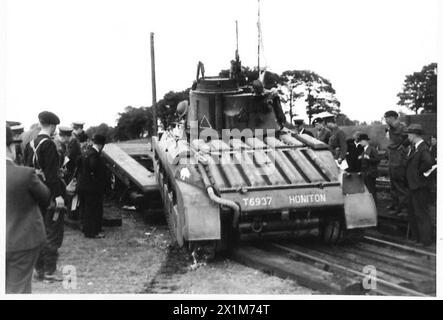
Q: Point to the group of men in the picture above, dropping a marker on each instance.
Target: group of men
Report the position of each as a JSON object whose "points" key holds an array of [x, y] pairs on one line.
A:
{"points": [[37, 200], [411, 161]]}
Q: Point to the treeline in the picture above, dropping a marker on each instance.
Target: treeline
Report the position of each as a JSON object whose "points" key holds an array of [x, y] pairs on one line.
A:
{"points": [[296, 88]]}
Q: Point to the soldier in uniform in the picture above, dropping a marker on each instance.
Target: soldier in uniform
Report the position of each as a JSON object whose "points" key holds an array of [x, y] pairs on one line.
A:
{"points": [[337, 141], [17, 132], [78, 132], [369, 159], [41, 153], [323, 134], [299, 126], [25, 231], [270, 100], [419, 161], [397, 150], [92, 187]]}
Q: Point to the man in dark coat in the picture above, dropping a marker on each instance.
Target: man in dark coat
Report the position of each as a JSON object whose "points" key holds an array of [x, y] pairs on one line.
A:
{"points": [[42, 154], [355, 149], [92, 186], [397, 150], [419, 161], [25, 230], [369, 159]]}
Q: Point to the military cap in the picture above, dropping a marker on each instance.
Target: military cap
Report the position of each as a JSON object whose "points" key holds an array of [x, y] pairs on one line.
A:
{"points": [[363, 136], [64, 131], [47, 117], [99, 139], [10, 137], [298, 121], [414, 128], [17, 128], [77, 124], [391, 113], [317, 120], [12, 123]]}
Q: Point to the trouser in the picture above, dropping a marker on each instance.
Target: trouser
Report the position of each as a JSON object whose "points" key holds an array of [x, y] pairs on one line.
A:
{"points": [[399, 190], [370, 184], [19, 267], [419, 215], [47, 260], [91, 212]]}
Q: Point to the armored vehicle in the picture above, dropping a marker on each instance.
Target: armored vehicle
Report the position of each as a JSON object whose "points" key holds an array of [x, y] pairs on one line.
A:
{"points": [[230, 168]]}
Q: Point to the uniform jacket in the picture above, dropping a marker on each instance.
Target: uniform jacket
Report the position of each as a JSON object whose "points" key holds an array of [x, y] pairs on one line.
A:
{"points": [[397, 149], [324, 135], [369, 166], [337, 142], [92, 177], [48, 161], [419, 161], [24, 194]]}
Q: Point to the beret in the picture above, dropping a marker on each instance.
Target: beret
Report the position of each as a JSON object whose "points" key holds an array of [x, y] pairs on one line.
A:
{"points": [[391, 113], [99, 139], [414, 128], [47, 117]]}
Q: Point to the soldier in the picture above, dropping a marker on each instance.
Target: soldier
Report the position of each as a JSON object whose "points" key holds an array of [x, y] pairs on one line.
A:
{"points": [[92, 186], [41, 153], [419, 161], [17, 132], [323, 134], [78, 132], [337, 141], [397, 162], [271, 100], [369, 159], [25, 231], [299, 125]]}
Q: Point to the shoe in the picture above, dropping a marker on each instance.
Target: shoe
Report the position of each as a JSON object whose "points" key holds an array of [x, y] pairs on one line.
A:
{"points": [[52, 277]]}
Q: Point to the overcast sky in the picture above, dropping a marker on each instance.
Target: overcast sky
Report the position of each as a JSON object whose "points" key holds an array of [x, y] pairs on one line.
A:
{"points": [[88, 60]]}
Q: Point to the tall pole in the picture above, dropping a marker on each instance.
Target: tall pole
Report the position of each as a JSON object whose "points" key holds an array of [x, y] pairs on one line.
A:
{"points": [[259, 35], [154, 91]]}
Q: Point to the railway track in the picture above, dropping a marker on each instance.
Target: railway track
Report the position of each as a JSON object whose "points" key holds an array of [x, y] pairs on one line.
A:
{"points": [[372, 266]]}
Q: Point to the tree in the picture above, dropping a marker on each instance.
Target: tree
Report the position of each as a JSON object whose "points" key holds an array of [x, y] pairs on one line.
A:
{"points": [[318, 93], [167, 106], [103, 129], [420, 90], [343, 120], [134, 123]]}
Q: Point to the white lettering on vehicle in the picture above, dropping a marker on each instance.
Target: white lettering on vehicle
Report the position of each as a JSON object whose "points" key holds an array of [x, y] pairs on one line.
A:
{"points": [[307, 198], [257, 201]]}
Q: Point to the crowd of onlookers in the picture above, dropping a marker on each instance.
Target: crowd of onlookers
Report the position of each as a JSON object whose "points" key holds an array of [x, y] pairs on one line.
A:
{"points": [[411, 161], [49, 174]]}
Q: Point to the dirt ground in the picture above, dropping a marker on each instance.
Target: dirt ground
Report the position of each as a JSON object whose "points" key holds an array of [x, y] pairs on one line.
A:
{"points": [[138, 258]]}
